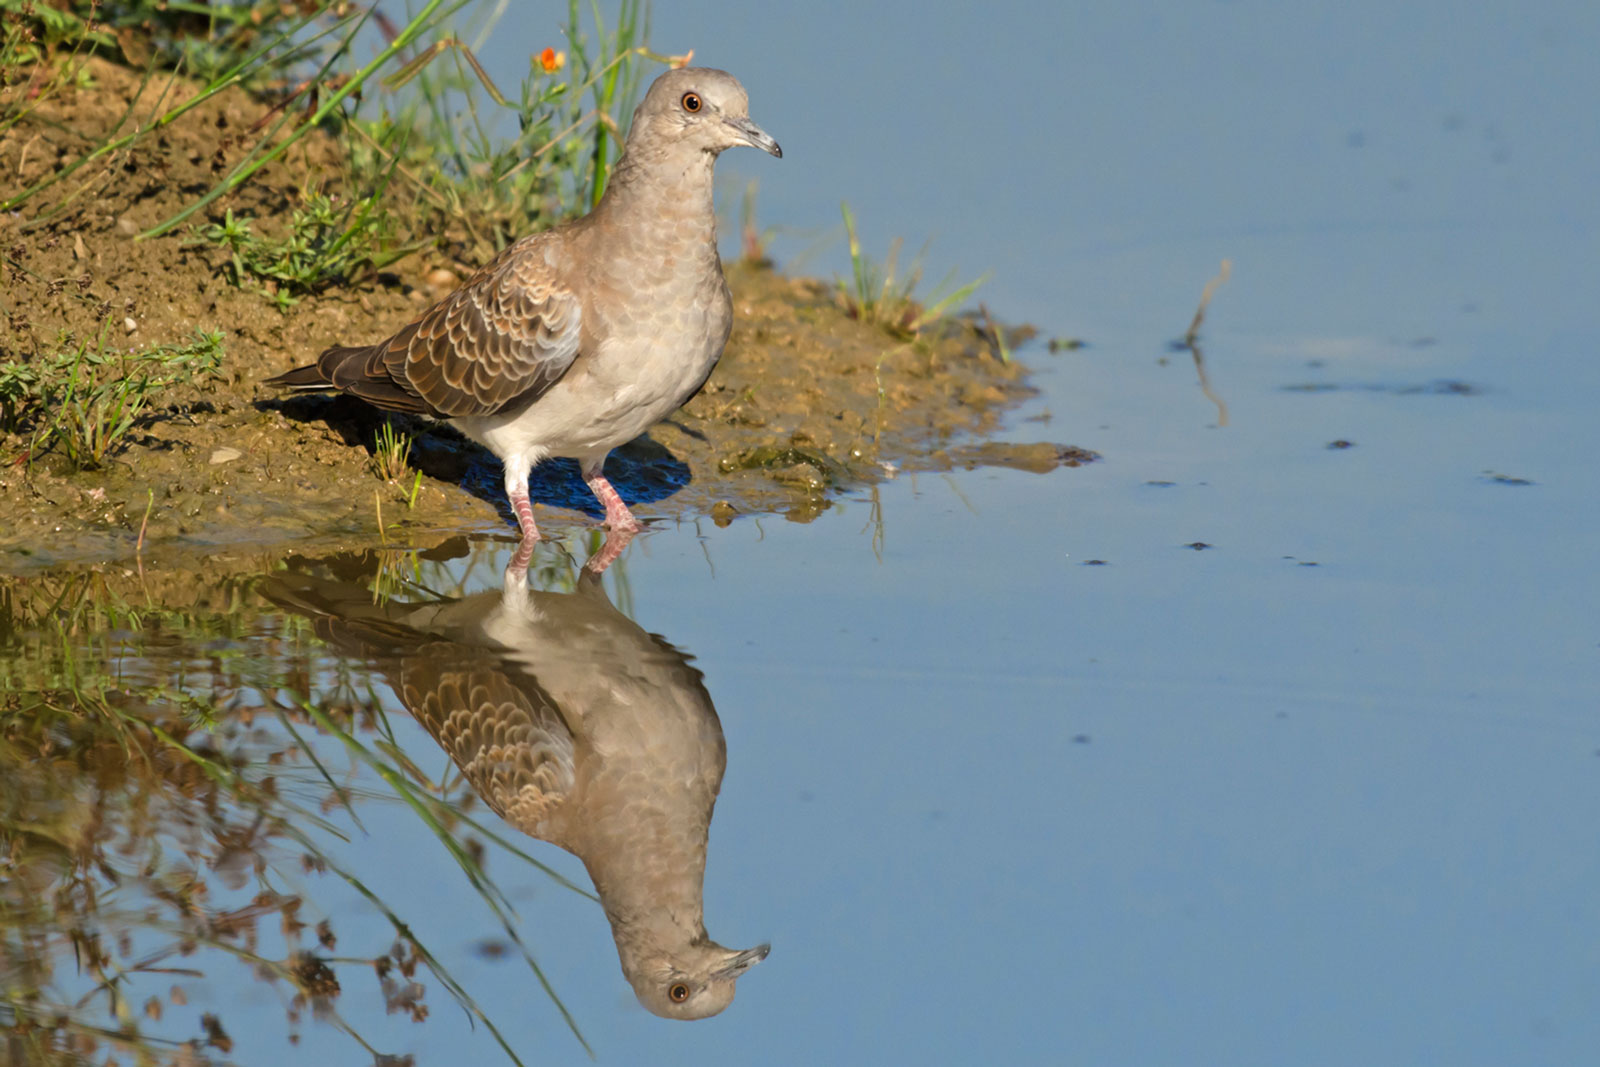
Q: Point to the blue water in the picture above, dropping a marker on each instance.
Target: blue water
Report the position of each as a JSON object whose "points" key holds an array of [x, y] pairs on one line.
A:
{"points": [[988, 801], [991, 803]]}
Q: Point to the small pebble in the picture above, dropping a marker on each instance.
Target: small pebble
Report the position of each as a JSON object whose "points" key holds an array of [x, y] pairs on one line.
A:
{"points": [[129, 325], [127, 227], [441, 282], [225, 455]]}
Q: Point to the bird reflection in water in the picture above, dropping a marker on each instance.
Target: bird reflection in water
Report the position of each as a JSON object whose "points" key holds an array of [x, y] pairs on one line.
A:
{"points": [[578, 728]]}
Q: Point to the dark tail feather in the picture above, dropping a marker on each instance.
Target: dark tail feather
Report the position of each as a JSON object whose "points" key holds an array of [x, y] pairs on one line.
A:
{"points": [[357, 371], [318, 376], [303, 379], [344, 614]]}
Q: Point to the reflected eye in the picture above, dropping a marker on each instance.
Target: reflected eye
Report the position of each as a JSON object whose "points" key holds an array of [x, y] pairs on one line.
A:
{"points": [[680, 992], [691, 103]]}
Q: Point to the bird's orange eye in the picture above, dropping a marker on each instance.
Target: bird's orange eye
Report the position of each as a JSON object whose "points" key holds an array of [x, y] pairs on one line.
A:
{"points": [[680, 992], [691, 103]]}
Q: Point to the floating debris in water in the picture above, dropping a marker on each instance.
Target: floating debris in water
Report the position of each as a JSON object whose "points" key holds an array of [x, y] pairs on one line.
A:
{"points": [[1443, 387], [1039, 458]]}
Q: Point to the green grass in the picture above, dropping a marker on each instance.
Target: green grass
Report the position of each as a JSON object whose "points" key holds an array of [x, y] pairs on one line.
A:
{"points": [[391, 453], [330, 242], [434, 150], [85, 398], [753, 240], [203, 39], [883, 296], [38, 44], [445, 141]]}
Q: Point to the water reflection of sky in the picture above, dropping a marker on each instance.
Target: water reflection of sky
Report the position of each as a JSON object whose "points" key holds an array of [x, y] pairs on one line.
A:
{"points": [[1208, 806], [1185, 807], [1364, 163]]}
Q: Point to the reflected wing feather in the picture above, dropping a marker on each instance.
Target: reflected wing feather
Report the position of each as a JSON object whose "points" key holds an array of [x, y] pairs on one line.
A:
{"points": [[508, 739]]}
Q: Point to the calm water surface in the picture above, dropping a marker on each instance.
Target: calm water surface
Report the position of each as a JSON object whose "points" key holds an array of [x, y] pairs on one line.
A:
{"points": [[1014, 770]]}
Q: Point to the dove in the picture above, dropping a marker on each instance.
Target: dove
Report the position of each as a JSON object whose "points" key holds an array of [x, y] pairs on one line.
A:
{"points": [[578, 728], [577, 339]]}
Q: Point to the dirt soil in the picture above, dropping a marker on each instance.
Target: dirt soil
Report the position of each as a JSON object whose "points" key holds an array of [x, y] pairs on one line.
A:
{"points": [[806, 402]]}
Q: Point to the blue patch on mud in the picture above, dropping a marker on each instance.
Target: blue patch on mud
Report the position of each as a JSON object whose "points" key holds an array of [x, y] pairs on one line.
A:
{"points": [[643, 472]]}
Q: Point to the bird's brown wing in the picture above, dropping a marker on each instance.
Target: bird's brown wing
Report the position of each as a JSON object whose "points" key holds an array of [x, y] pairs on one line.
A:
{"points": [[504, 337], [508, 738], [496, 723]]}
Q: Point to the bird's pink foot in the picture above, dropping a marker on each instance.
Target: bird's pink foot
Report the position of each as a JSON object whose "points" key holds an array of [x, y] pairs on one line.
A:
{"points": [[610, 549], [522, 556], [530, 535], [524, 510], [619, 520]]}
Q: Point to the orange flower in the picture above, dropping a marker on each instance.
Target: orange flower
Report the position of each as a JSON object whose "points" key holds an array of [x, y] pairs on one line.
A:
{"points": [[551, 60]]}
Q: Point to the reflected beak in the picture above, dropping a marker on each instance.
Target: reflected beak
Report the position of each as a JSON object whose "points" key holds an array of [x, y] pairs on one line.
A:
{"points": [[747, 959], [755, 137]]}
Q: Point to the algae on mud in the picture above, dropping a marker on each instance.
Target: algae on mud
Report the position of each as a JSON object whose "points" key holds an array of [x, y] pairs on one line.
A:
{"points": [[806, 401]]}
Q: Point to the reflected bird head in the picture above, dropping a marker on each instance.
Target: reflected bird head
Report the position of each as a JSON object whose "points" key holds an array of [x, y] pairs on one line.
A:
{"points": [[694, 982]]}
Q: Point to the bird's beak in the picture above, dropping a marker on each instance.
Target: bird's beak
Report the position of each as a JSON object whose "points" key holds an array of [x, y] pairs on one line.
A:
{"points": [[755, 136], [743, 961]]}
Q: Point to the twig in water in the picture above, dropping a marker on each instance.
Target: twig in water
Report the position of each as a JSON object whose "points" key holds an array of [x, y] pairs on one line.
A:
{"points": [[1205, 298], [138, 546], [1191, 341]]}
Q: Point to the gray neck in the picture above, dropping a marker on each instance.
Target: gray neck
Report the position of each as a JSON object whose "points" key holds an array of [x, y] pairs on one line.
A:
{"points": [[649, 870], [662, 196]]}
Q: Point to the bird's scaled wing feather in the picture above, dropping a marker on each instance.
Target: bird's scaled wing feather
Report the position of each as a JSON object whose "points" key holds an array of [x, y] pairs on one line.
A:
{"points": [[504, 733], [504, 337]]}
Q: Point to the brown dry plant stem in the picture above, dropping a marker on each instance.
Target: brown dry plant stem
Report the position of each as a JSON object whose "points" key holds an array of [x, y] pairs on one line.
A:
{"points": [[1191, 341], [1205, 299]]}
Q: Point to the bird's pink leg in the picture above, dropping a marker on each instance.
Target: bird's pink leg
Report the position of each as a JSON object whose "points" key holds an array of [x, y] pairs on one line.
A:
{"points": [[524, 553], [618, 518], [609, 551], [524, 509], [517, 468], [620, 523]]}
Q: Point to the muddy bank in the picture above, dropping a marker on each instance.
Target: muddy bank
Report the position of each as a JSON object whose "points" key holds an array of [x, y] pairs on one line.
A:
{"points": [[806, 402]]}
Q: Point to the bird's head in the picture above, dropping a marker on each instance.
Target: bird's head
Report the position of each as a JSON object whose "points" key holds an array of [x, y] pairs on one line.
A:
{"points": [[693, 982], [698, 106]]}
